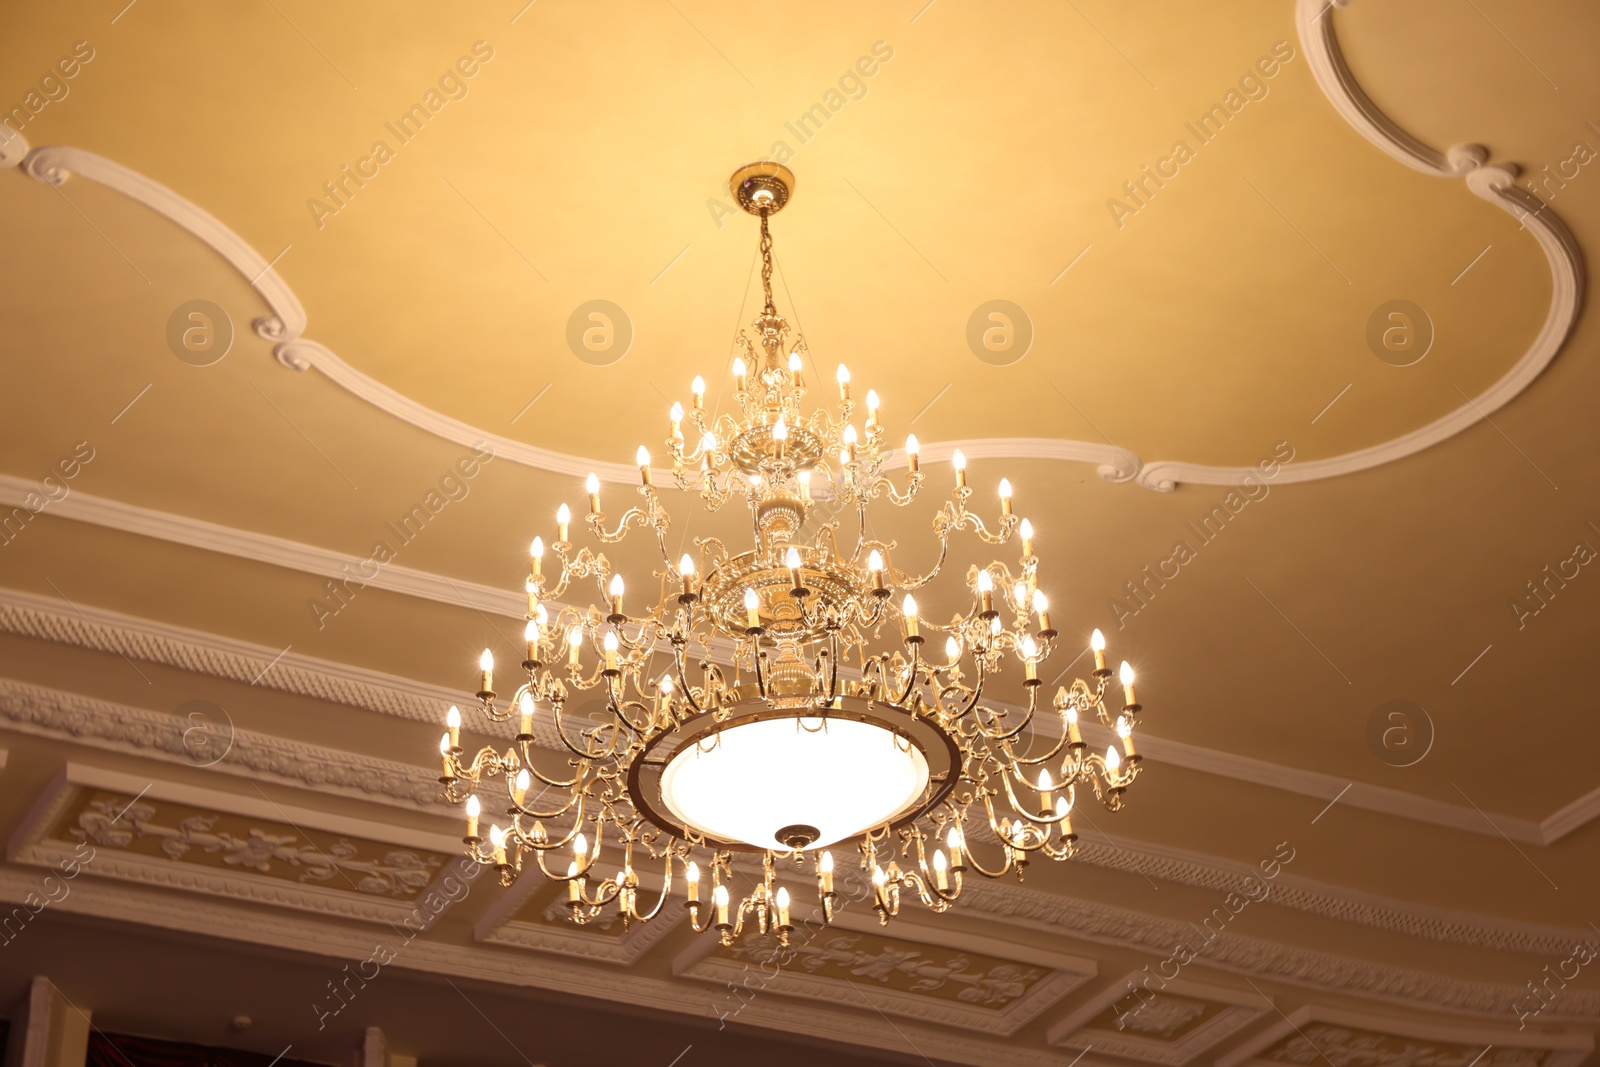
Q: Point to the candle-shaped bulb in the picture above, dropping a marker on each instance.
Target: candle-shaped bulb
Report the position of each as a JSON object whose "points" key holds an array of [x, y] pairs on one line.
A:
{"points": [[444, 744], [913, 453], [752, 609], [698, 388], [1070, 713], [958, 460], [1046, 783], [610, 642], [666, 684], [872, 401], [720, 895], [474, 807], [530, 635], [879, 876], [739, 369], [525, 714], [909, 609], [791, 558], [1124, 728], [563, 514], [497, 837], [985, 582], [452, 718], [874, 560], [780, 432], [693, 873], [1019, 593], [1113, 758], [1030, 648], [1126, 675], [708, 443], [952, 649], [794, 362], [953, 839], [642, 458], [1041, 607], [580, 846], [486, 661], [686, 566], [616, 585], [676, 414], [804, 478], [524, 781], [826, 863], [1097, 641], [592, 485], [1005, 495], [782, 897], [842, 375], [939, 862]]}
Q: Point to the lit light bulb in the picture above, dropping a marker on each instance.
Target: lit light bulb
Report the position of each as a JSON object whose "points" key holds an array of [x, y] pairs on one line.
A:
{"points": [[693, 874], [1030, 648], [444, 744], [524, 780], [686, 566], [610, 642], [1097, 641], [536, 550], [780, 432], [698, 388], [1019, 593], [580, 846], [525, 714], [1025, 528], [616, 585], [474, 808], [720, 895], [1071, 715], [827, 862], [676, 414], [642, 457], [486, 672], [1123, 727], [782, 897], [913, 453], [1040, 601], [872, 401], [752, 609], [541, 616], [909, 610], [497, 837], [792, 558], [530, 632], [939, 862], [485, 662], [1062, 808], [804, 478], [738, 367], [452, 718], [879, 876], [1113, 758], [666, 684], [874, 560], [953, 838], [842, 375], [1126, 674], [850, 437], [575, 636], [1005, 496], [985, 583], [794, 362], [952, 649], [592, 484], [708, 443], [994, 626], [1046, 783], [958, 460], [563, 522], [1127, 683]]}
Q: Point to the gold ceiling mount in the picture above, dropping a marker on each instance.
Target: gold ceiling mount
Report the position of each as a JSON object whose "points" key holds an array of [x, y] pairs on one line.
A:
{"points": [[762, 188]]}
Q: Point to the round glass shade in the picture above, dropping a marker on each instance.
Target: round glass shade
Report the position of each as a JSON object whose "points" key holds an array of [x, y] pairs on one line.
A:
{"points": [[757, 778]]}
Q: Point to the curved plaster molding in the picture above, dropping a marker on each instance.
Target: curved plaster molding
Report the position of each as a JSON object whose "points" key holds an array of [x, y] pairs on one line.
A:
{"points": [[286, 324]]}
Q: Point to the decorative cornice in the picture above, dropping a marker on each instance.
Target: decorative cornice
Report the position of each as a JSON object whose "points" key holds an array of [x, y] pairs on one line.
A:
{"points": [[114, 727], [286, 324], [1327, 973], [1241, 1009]]}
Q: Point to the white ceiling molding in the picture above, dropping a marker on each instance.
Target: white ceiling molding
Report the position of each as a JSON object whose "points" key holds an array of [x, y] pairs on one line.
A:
{"points": [[53, 165], [48, 619], [1562, 1050], [1241, 1009], [32, 845], [111, 726]]}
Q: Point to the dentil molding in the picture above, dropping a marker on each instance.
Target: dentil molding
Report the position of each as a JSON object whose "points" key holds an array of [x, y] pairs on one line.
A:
{"points": [[285, 325]]}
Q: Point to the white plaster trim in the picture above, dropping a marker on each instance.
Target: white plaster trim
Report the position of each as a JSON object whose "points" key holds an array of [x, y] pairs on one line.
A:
{"points": [[500, 926], [285, 326], [1242, 1009], [113, 727], [31, 845], [1064, 974], [1568, 1050]]}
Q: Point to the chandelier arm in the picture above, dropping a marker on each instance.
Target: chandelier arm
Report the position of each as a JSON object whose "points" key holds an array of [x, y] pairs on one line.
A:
{"points": [[1021, 761], [586, 754], [661, 899], [912, 670]]}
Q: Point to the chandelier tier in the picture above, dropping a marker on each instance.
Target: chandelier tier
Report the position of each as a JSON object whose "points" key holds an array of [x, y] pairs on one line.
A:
{"points": [[783, 699]]}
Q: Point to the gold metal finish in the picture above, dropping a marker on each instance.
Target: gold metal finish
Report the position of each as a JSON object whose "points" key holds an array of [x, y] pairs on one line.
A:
{"points": [[821, 624]]}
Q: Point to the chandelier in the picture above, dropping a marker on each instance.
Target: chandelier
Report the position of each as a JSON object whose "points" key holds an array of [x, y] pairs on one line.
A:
{"points": [[781, 699]]}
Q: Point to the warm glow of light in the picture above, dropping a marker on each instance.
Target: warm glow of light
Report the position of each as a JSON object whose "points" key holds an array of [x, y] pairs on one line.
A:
{"points": [[1097, 641], [564, 514], [497, 837], [530, 632], [827, 862], [572, 869], [666, 684], [1025, 528], [782, 897], [1030, 648], [1040, 601], [751, 601], [1070, 714], [842, 375], [676, 414], [794, 362], [1062, 807], [575, 635], [486, 661], [872, 400], [953, 838], [1124, 727], [985, 583], [642, 457], [616, 585], [780, 432], [580, 845], [536, 550], [452, 718], [698, 387], [708, 443], [850, 435], [474, 808], [939, 862], [874, 560], [610, 642], [686, 565], [1046, 783], [1113, 758], [592, 484], [719, 896], [693, 874], [909, 607], [791, 559], [952, 649], [879, 875], [762, 776], [1019, 593], [540, 615], [1126, 675], [524, 780], [444, 744], [958, 460], [738, 367], [525, 703], [912, 447], [1005, 488]]}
